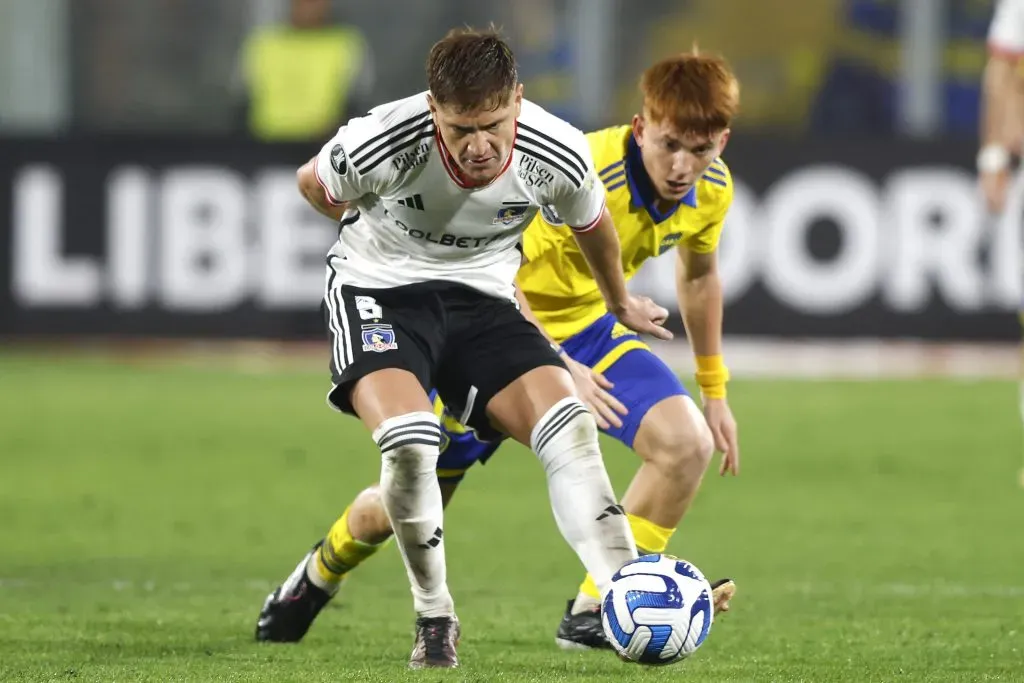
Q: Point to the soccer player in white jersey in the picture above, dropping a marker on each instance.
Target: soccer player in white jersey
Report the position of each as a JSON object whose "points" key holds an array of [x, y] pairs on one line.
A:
{"points": [[1002, 123], [432, 194]]}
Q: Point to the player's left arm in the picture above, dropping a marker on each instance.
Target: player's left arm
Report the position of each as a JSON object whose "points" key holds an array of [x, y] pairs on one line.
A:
{"points": [[582, 207], [599, 244], [699, 291], [591, 387]]}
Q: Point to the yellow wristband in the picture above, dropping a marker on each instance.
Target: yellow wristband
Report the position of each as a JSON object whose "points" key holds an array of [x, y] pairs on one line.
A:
{"points": [[711, 376]]}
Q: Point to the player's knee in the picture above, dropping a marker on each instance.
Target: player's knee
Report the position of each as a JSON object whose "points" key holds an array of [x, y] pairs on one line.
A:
{"points": [[409, 444], [680, 447], [566, 433], [679, 454], [367, 518], [368, 498]]}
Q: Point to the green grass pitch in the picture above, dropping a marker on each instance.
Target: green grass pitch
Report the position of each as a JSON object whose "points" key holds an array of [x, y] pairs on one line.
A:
{"points": [[876, 534]]}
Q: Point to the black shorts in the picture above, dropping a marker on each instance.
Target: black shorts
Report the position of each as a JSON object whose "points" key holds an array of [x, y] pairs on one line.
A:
{"points": [[467, 345]]}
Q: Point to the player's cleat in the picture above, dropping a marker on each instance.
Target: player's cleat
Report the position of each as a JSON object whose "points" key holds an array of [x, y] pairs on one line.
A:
{"points": [[436, 640], [585, 631], [582, 631], [289, 611], [722, 591]]}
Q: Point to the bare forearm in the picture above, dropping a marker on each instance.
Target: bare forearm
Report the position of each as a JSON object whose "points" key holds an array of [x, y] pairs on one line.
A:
{"points": [[1003, 105], [600, 247], [700, 304]]}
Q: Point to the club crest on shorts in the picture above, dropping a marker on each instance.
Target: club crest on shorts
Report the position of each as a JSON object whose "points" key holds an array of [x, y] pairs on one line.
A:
{"points": [[510, 215], [378, 338]]}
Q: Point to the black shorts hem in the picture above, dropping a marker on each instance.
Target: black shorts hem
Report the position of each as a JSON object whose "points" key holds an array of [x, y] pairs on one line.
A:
{"points": [[339, 395], [478, 419]]}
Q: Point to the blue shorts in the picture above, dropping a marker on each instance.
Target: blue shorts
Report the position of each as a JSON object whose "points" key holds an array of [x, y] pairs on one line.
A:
{"points": [[641, 381]]}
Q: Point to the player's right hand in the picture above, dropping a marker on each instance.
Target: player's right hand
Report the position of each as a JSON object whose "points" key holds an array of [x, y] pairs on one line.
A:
{"points": [[995, 185], [592, 388], [642, 315]]}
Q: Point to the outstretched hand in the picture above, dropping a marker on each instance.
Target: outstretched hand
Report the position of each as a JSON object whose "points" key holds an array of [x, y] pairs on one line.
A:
{"points": [[723, 428], [642, 315]]}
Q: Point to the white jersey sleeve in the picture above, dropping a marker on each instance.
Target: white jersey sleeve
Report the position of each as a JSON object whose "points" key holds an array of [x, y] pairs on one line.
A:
{"points": [[1006, 34], [356, 161], [580, 205]]}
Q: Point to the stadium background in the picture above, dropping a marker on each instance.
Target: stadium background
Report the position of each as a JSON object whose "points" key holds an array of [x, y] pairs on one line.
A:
{"points": [[165, 453]]}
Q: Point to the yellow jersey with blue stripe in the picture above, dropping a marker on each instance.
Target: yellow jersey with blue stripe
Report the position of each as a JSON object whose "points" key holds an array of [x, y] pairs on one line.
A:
{"points": [[556, 279]]}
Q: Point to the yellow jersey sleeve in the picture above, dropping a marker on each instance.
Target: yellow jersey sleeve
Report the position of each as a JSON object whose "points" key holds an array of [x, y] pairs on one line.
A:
{"points": [[714, 197]]}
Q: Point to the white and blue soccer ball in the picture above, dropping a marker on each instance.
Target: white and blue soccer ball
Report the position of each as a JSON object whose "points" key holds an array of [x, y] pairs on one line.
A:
{"points": [[658, 610]]}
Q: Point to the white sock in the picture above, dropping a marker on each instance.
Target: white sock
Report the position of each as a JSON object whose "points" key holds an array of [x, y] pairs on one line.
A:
{"points": [[587, 514], [409, 447]]}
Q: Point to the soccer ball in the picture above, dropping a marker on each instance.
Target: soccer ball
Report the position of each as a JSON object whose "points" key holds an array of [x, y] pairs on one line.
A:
{"points": [[658, 610]]}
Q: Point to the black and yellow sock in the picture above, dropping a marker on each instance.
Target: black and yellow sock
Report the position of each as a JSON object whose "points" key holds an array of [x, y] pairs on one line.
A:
{"points": [[650, 539], [339, 554]]}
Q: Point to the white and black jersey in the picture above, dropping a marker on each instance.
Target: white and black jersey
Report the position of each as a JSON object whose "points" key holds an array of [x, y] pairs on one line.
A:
{"points": [[1006, 34], [410, 218]]}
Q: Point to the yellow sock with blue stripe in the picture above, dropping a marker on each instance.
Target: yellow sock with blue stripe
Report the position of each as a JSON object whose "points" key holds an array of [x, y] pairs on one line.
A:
{"points": [[339, 554], [650, 538]]}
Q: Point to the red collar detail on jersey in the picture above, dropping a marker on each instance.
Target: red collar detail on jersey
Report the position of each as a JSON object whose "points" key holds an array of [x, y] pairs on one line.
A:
{"points": [[448, 161]]}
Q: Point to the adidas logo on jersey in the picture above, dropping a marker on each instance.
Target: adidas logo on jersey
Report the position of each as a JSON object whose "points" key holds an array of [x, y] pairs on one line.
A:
{"points": [[413, 202]]}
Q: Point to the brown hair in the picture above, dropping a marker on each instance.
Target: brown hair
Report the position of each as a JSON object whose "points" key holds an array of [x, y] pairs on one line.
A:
{"points": [[696, 93], [471, 69]]}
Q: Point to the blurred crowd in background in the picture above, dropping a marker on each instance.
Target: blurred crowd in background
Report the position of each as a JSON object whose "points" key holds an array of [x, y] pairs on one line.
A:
{"points": [[138, 195], [294, 69]]}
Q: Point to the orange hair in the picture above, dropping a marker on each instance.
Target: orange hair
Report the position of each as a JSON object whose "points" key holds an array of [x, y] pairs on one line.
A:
{"points": [[698, 94]]}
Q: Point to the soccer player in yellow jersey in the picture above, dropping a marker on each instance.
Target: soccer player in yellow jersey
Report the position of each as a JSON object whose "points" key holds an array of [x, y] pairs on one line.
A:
{"points": [[667, 188]]}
